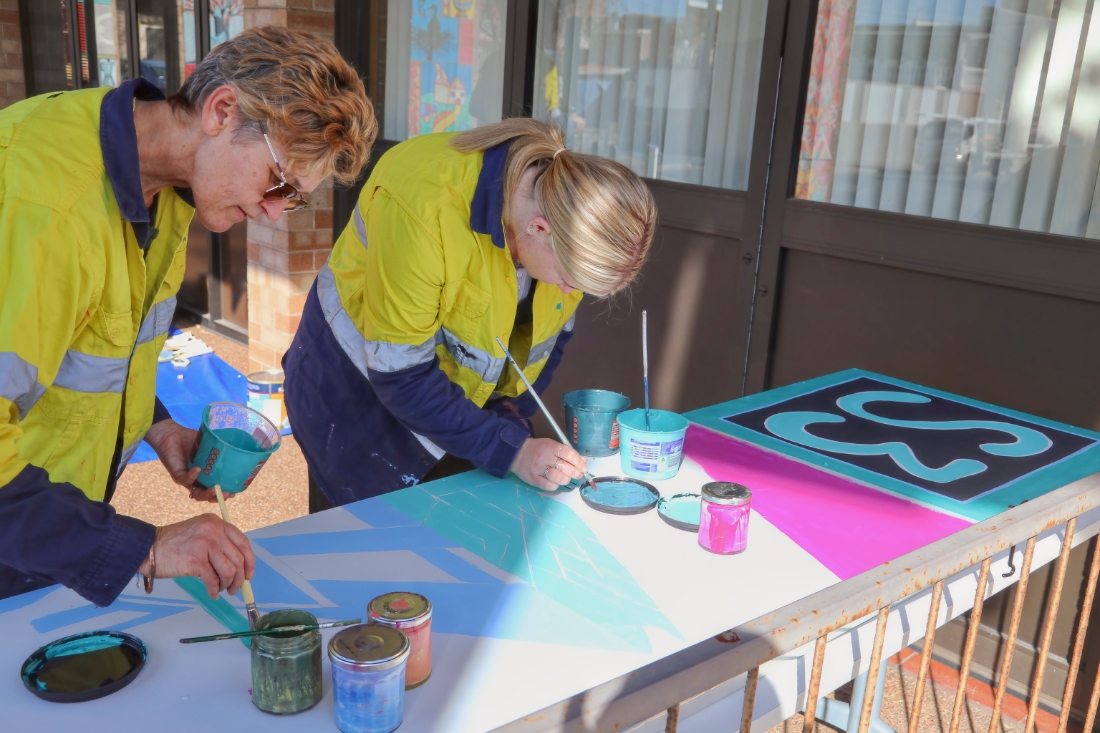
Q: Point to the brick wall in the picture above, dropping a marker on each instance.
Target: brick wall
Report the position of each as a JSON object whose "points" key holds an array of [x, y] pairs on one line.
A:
{"points": [[12, 88], [284, 257]]}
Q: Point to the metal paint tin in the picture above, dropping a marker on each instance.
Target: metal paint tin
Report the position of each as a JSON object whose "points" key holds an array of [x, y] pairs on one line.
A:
{"points": [[368, 678], [286, 668], [412, 614], [724, 517], [265, 396]]}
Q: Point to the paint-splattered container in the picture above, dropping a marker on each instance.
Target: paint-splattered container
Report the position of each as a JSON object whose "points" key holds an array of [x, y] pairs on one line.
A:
{"points": [[412, 614], [265, 396], [652, 453], [368, 678], [724, 517], [234, 444], [286, 668], [591, 420]]}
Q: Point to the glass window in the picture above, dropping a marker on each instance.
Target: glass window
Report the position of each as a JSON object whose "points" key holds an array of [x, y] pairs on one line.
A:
{"points": [[226, 20], [444, 64], [110, 43], [976, 111], [667, 87]]}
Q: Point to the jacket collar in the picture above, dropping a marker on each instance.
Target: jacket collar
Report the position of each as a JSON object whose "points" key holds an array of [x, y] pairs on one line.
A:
{"points": [[487, 206], [118, 140]]}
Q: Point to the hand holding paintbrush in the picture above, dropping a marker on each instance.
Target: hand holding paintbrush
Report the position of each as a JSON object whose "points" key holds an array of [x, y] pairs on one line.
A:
{"points": [[549, 418]]}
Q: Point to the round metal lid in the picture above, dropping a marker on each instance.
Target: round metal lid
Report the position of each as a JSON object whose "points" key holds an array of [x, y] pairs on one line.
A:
{"points": [[680, 511], [400, 606], [84, 666], [370, 646], [620, 495], [268, 376], [724, 492]]}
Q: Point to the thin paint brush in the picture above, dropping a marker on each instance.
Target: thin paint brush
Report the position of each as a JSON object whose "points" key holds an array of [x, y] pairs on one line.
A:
{"points": [[246, 587], [645, 368], [549, 418], [273, 630]]}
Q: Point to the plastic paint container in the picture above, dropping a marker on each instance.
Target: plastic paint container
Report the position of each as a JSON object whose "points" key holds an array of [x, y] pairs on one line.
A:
{"points": [[652, 454], [286, 668], [412, 614], [234, 444], [591, 420], [265, 396], [368, 678], [724, 518]]}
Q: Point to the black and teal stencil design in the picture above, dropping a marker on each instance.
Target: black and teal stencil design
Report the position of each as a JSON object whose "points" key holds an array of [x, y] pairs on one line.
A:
{"points": [[967, 457]]}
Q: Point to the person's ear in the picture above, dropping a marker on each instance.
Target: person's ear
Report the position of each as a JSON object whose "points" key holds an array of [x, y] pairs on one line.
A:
{"points": [[219, 112], [538, 225]]}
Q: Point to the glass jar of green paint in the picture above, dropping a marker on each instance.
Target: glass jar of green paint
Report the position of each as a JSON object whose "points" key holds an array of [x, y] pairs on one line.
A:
{"points": [[286, 668]]}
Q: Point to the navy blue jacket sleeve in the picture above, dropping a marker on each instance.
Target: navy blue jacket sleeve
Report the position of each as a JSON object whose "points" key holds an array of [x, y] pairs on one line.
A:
{"points": [[56, 532], [430, 404], [426, 402], [160, 412]]}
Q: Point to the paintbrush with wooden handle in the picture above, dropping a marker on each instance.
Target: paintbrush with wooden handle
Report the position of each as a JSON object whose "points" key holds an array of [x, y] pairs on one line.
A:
{"points": [[246, 587], [271, 631], [549, 418]]}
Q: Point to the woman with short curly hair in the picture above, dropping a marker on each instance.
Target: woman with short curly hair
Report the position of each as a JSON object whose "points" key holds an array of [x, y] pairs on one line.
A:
{"points": [[97, 191]]}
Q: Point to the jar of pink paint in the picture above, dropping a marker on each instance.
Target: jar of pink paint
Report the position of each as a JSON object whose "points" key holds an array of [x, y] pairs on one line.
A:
{"points": [[724, 517]]}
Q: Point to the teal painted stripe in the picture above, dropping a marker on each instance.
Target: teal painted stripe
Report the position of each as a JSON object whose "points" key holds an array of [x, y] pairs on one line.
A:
{"points": [[218, 608]]}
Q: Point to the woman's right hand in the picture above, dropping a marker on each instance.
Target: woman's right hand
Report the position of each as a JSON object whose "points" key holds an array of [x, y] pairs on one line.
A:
{"points": [[547, 464], [203, 547]]}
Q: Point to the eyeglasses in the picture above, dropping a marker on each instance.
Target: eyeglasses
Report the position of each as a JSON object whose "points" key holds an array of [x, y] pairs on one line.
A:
{"points": [[284, 191]]}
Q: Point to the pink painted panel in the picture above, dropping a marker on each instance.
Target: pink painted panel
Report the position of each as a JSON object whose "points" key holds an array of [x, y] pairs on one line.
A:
{"points": [[849, 528]]}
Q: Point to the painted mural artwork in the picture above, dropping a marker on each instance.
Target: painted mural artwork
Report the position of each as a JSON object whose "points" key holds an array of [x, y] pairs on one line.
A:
{"points": [[941, 450], [848, 471], [441, 67]]}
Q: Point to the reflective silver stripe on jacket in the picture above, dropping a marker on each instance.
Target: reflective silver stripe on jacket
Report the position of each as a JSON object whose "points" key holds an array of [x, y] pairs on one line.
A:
{"points": [[542, 349], [158, 320], [349, 338], [19, 382], [471, 357], [360, 225], [93, 374], [128, 453]]}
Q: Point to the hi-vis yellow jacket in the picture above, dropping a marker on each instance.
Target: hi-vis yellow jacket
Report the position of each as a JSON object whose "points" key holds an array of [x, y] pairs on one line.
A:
{"points": [[83, 314], [409, 279]]}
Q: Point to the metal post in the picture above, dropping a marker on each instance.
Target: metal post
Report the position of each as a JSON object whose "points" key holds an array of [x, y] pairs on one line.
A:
{"points": [[873, 671], [673, 719], [750, 699], [1048, 626], [1079, 642], [971, 640], [1013, 631], [815, 685], [926, 656]]}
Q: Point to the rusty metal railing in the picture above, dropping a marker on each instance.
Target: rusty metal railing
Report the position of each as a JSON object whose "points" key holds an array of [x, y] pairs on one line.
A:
{"points": [[663, 686]]}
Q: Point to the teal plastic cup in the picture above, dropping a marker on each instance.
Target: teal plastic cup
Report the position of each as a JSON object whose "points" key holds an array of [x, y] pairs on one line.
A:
{"points": [[591, 420], [652, 454], [234, 444]]}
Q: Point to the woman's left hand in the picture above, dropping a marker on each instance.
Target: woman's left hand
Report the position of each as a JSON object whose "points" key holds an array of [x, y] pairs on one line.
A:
{"points": [[547, 464], [175, 445]]}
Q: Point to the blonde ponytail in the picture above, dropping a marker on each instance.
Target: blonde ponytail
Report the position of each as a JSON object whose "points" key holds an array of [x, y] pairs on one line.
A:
{"points": [[601, 213]]}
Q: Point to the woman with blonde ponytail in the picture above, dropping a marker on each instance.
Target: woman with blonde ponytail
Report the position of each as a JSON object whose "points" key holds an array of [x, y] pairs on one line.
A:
{"points": [[395, 375]]}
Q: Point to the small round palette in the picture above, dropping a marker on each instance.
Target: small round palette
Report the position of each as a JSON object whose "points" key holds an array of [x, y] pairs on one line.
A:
{"points": [[681, 511], [84, 666], [620, 495]]}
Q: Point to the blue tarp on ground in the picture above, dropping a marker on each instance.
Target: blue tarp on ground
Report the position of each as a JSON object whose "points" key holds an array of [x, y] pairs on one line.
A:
{"points": [[185, 391]]}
